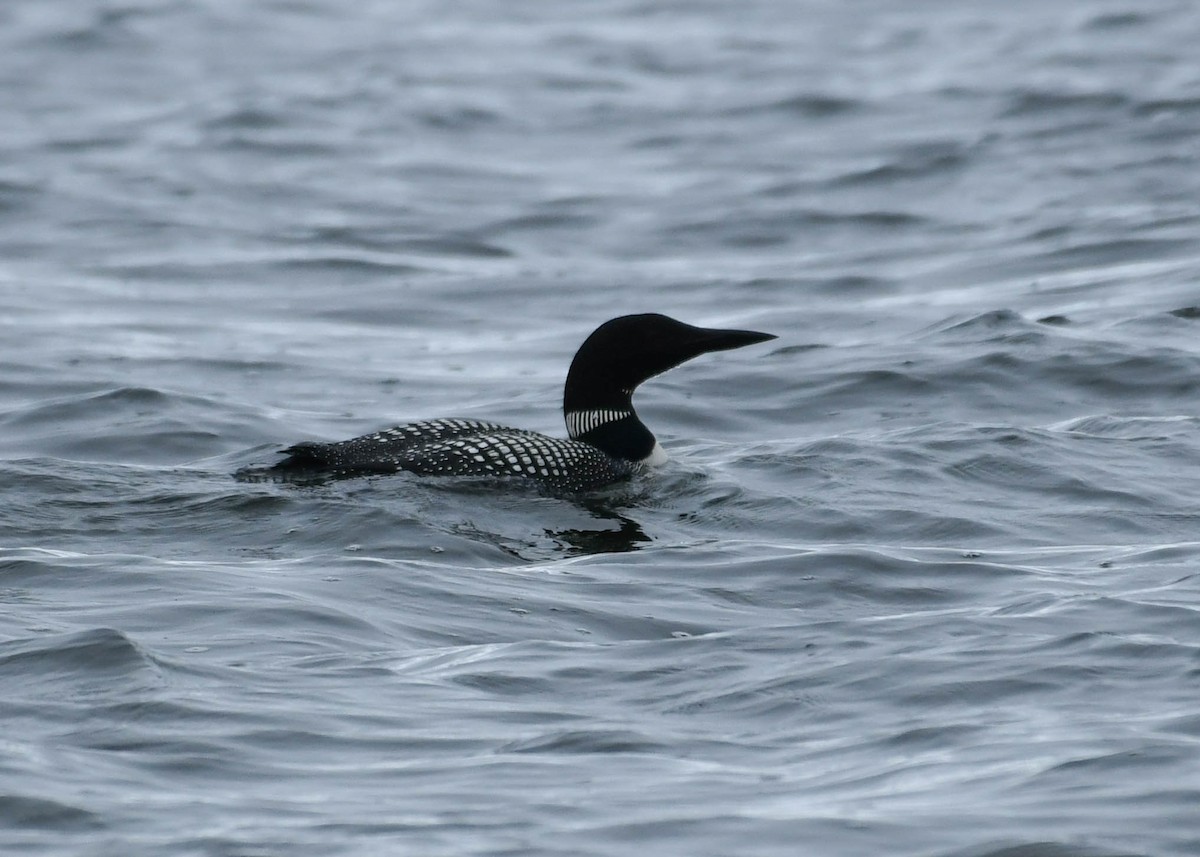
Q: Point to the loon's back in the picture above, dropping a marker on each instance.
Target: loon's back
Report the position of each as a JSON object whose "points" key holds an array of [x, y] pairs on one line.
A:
{"points": [[607, 442], [459, 447]]}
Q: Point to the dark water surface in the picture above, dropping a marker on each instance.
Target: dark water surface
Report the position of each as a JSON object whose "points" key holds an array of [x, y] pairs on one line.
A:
{"points": [[922, 577]]}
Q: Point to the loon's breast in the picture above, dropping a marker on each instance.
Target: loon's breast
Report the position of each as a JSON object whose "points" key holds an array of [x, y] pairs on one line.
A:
{"points": [[460, 447]]}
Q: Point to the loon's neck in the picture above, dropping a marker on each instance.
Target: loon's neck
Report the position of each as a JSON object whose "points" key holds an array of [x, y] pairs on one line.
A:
{"points": [[615, 430]]}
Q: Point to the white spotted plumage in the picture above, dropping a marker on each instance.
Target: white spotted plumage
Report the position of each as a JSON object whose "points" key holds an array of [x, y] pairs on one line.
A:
{"points": [[458, 447]]}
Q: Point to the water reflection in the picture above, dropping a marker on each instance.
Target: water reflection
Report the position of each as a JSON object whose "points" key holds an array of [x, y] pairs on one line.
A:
{"points": [[627, 537]]}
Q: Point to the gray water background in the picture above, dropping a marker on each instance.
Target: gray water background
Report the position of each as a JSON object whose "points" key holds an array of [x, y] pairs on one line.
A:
{"points": [[920, 579]]}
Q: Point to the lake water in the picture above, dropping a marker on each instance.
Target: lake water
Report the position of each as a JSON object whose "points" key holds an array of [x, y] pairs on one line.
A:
{"points": [[922, 576]]}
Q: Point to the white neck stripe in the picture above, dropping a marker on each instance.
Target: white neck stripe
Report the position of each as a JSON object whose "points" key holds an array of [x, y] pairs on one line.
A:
{"points": [[581, 422]]}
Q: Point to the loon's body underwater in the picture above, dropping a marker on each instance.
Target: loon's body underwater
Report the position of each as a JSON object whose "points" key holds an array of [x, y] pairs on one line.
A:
{"points": [[607, 440]]}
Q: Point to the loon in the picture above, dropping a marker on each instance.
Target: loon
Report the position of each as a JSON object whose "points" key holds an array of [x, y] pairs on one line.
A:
{"points": [[607, 441]]}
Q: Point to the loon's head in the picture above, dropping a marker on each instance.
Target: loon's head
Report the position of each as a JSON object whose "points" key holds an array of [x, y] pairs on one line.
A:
{"points": [[618, 356]]}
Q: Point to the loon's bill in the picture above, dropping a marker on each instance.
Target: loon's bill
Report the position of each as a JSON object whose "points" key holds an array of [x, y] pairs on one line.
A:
{"points": [[607, 442]]}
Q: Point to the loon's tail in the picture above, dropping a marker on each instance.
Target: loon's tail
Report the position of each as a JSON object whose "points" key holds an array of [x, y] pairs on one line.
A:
{"points": [[312, 461], [304, 456], [305, 462]]}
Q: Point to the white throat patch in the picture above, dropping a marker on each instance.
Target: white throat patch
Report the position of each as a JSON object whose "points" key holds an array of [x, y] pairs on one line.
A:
{"points": [[656, 458]]}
